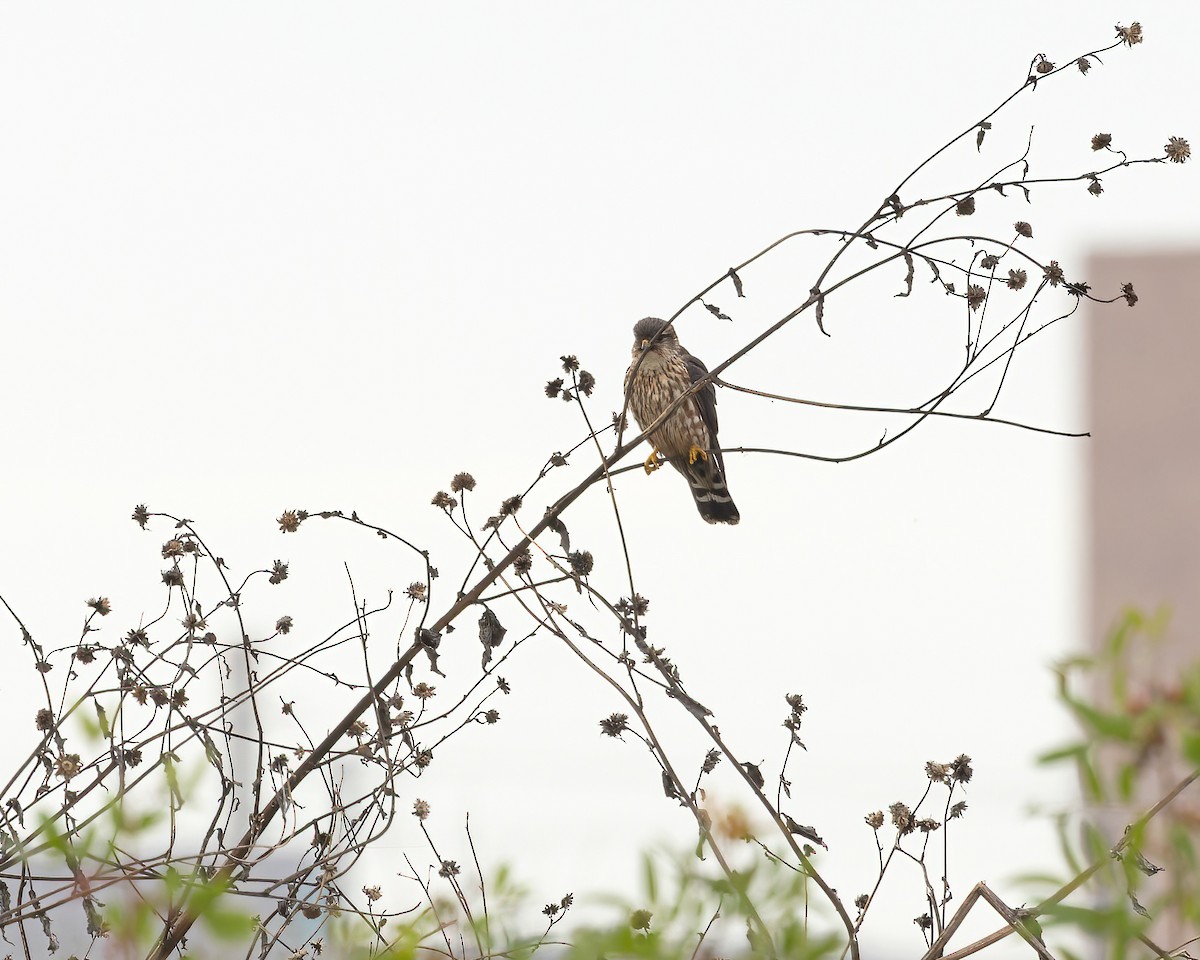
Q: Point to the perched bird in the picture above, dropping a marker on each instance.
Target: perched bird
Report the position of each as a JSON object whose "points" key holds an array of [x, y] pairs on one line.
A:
{"points": [[661, 372]]}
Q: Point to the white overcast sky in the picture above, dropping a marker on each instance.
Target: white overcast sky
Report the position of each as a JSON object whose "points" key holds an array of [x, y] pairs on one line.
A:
{"points": [[259, 256]]}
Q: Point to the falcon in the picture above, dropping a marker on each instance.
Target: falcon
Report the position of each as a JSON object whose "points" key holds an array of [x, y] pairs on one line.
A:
{"points": [[661, 372]]}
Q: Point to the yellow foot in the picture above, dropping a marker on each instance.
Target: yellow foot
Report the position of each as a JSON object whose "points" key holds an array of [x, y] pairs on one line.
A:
{"points": [[652, 463], [696, 453]]}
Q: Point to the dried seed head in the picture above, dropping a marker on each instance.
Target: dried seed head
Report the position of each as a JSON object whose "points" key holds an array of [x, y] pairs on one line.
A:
{"points": [[173, 577], [45, 719], [492, 716], [1023, 229], [861, 901], [284, 625], [961, 768], [462, 481], [172, 548], [444, 501], [141, 515], [1095, 188], [614, 725], [581, 562], [523, 563], [1084, 65], [551, 909], [1016, 279], [1178, 150], [1131, 34], [101, 606], [415, 591], [927, 825], [989, 262], [874, 820], [1044, 66], [372, 893], [936, 771], [1127, 292], [510, 506], [587, 383], [923, 921], [85, 654], [289, 521], [424, 691], [569, 363], [421, 809], [711, 759], [902, 818], [958, 809], [279, 572], [554, 387], [67, 765], [448, 869], [1101, 141], [975, 296], [1053, 273], [965, 207]]}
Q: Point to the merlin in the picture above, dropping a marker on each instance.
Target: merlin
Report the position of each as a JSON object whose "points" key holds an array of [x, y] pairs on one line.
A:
{"points": [[687, 439]]}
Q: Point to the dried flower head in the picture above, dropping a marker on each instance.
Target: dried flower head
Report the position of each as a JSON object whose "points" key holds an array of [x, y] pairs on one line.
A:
{"points": [[85, 654], [1131, 34], [511, 506], [100, 605], [927, 825], [902, 818], [1127, 292], [523, 563], [1053, 273], [861, 901], [279, 572], [614, 724], [1044, 66], [1017, 279], [462, 481], [372, 893], [581, 562], [159, 696], [554, 387], [975, 296], [923, 921], [67, 765], [421, 809], [874, 820], [503, 686], [569, 363], [289, 521], [936, 771], [989, 262], [965, 207], [357, 728], [423, 759], [958, 809], [284, 625], [1178, 150], [1095, 188], [1023, 229], [961, 768], [491, 716], [173, 577], [141, 515], [443, 500], [415, 591], [179, 699], [132, 756], [1084, 65], [172, 548], [1101, 141], [551, 909], [711, 759], [424, 691], [587, 383], [43, 666], [44, 719], [448, 869]]}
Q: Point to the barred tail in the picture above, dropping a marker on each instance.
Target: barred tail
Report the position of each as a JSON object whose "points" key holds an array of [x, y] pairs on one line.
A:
{"points": [[707, 484]]}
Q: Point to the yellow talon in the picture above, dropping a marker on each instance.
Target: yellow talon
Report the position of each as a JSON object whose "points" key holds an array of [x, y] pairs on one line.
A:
{"points": [[652, 463], [696, 453]]}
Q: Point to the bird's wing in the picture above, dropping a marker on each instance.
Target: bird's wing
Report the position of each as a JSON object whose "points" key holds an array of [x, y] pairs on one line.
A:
{"points": [[706, 400]]}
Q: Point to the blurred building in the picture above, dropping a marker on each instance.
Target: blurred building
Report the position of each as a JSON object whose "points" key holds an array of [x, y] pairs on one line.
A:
{"points": [[1144, 510]]}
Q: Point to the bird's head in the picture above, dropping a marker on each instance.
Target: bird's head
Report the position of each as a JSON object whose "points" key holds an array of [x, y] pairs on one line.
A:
{"points": [[654, 335]]}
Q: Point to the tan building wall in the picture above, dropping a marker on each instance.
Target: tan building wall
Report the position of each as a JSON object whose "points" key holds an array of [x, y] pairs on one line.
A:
{"points": [[1143, 395]]}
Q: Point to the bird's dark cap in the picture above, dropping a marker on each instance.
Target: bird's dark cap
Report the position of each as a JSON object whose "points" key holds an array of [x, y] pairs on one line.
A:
{"points": [[649, 327]]}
